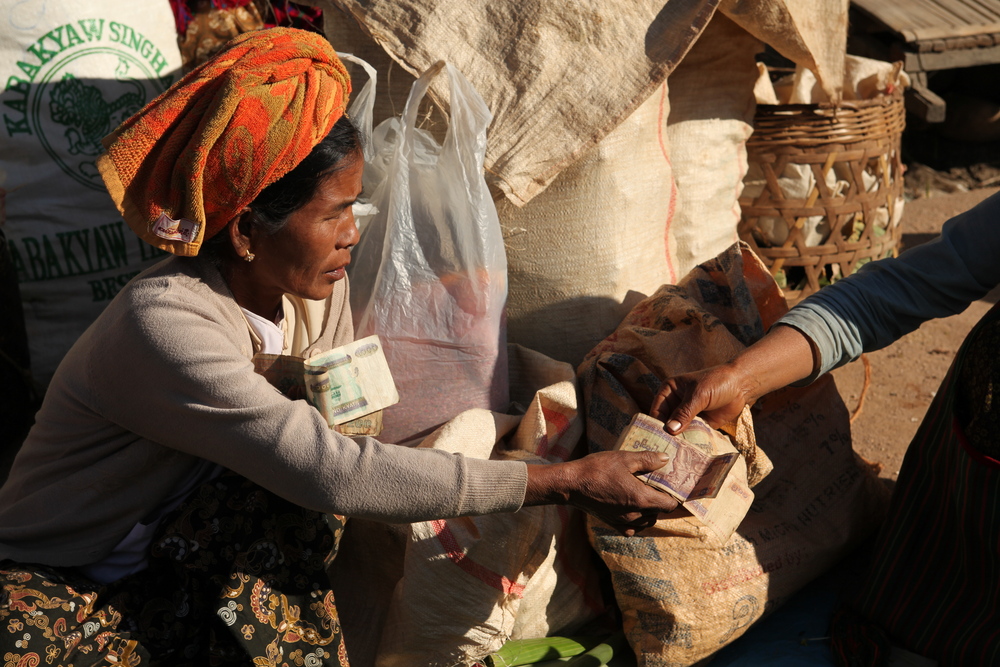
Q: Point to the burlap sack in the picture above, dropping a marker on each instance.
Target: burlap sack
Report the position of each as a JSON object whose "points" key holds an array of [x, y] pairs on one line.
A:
{"points": [[465, 586], [683, 594], [812, 34], [558, 77], [711, 117]]}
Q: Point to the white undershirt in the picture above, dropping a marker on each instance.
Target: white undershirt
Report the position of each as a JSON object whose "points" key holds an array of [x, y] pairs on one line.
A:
{"points": [[131, 555], [271, 336]]}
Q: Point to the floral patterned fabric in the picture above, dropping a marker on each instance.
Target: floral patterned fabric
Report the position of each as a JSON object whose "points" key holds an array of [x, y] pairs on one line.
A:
{"points": [[237, 576]]}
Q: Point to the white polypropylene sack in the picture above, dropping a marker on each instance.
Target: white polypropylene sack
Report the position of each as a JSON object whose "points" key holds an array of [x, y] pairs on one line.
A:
{"points": [[711, 117], [585, 250], [797, 182], [73, 72], [864, 79], [557, 76], [812, 34], [472, 583]]}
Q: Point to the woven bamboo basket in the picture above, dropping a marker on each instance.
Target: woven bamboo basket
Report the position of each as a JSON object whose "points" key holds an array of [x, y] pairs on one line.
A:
{"points": [[828, 191]]}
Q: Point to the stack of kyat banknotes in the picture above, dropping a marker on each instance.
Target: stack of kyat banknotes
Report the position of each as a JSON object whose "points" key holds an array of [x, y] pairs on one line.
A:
{"points": [[349, 385], [705, 472]]}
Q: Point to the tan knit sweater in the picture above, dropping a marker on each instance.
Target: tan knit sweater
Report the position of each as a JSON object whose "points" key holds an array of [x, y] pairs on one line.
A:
{"points": [[164, 377]]}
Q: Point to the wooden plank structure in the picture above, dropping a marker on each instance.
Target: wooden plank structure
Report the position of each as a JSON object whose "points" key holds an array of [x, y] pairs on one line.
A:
{"points": [[927, 35]]}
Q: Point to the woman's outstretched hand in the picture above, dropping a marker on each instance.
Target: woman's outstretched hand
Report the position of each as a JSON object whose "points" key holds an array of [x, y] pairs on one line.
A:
{"points": [[718, 394], [604, 485]]}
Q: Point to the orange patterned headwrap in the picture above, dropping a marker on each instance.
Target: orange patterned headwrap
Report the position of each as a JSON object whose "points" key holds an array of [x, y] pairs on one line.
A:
{"points": [[186, 164]]}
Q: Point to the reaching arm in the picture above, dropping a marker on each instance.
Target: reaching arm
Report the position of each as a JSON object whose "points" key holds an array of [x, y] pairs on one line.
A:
{"points": [[603, 484], [888, 299], [718, 394], [867, 311]]}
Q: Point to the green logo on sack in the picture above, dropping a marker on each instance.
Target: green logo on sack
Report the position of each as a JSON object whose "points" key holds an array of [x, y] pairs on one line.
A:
{"points": [[59, 100]]}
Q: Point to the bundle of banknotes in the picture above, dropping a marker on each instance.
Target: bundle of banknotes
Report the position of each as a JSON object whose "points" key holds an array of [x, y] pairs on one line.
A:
{"points": [[704, 471], [349, 385]]}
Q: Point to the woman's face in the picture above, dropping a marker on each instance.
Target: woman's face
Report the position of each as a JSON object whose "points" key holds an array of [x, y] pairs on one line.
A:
{"points": [[313, 249]]}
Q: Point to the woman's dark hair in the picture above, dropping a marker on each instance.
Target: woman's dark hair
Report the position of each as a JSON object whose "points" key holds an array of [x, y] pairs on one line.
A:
{"points": [[276, 202]]}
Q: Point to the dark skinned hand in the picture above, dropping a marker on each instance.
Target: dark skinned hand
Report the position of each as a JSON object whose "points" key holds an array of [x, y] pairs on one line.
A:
{"points": [[604, 485], [716, 394]]}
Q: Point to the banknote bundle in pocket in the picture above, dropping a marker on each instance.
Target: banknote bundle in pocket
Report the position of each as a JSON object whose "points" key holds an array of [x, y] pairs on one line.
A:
{"points": [[349, 385]]}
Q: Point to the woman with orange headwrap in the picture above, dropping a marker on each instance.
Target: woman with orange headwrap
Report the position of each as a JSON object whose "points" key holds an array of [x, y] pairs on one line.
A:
{"points": [[169, 504]]}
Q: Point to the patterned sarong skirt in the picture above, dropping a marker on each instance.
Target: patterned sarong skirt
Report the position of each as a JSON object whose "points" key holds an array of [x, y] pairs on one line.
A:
{"points": [[237, 576]]}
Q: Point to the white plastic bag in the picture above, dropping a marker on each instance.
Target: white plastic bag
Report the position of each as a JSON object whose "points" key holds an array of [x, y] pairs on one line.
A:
{"points": [[362, 104], [429, 275], [361, 111]]}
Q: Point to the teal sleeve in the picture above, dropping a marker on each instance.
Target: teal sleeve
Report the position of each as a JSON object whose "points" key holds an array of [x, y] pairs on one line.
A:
{"points": [[888, 299]]}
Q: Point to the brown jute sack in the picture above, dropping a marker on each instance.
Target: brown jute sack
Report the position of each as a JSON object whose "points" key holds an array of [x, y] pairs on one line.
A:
{"points": [[683, 594]]}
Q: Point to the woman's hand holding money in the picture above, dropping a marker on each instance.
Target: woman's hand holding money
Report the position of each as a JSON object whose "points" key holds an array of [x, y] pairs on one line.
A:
{"points": [[604, 485], [718, 394]]}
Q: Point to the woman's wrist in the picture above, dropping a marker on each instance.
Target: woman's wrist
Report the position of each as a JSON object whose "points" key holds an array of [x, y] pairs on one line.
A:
{"points": [[547, 484], [785, 355]]}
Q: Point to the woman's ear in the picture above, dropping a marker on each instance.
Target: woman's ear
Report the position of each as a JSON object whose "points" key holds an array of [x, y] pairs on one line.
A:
{"points": [[241, 232]]}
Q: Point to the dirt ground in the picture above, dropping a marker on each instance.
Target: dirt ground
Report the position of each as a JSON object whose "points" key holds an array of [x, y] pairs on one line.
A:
{"points": [[906, 375]]}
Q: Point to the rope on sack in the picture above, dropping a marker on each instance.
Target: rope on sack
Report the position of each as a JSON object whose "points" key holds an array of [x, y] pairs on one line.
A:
{"points": [[864, 387]]}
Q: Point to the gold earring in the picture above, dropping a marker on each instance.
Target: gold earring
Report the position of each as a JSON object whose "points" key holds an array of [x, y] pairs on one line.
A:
{"points": [[249, 256]]}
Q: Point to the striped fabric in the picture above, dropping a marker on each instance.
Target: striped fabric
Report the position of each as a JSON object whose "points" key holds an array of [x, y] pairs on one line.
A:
{"points": [[934, 584]]}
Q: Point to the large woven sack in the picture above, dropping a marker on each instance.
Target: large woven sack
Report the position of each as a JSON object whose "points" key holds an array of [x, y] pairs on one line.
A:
{"points": [[558, 77], [683, 593], [465, 586], [711, 117], [592, 233], [73, 72], [579, 252], [812, 34], [586, 243], [471, 584]]}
